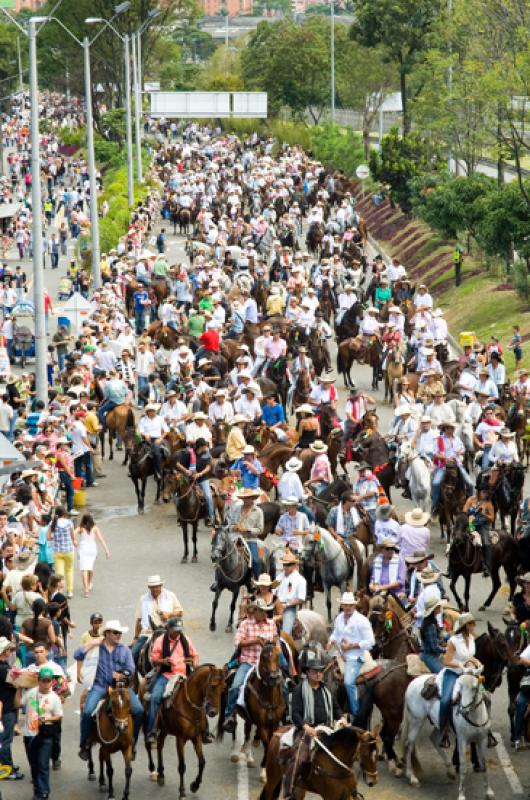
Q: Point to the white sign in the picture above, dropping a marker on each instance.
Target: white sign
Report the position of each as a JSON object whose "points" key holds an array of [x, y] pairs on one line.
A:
{"points": [[362, 172], [194, 105], [152, 86]]}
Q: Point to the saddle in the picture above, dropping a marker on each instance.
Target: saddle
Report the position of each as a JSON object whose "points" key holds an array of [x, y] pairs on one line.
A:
{"points": [[173, 686], [430, 689], [416, 667]]}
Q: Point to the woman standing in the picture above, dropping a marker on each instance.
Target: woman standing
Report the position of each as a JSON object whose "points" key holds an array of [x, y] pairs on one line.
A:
{"points": [[64, 544], [38, 628], [89, 535], [431, 649], [23, 600]]}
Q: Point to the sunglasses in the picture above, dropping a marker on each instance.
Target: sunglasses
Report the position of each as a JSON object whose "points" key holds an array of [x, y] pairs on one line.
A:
{"points": [[116, 633]]}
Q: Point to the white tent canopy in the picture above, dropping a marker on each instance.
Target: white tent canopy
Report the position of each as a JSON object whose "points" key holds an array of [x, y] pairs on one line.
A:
{"points": [[77, 309]]}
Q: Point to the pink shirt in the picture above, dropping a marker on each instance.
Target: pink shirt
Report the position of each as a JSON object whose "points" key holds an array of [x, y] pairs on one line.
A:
{"points": [[276, 349], [320, 469]]}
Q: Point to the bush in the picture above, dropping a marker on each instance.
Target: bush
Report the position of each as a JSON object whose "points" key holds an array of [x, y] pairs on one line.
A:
{"points": [[521, 280], [338, 148]]}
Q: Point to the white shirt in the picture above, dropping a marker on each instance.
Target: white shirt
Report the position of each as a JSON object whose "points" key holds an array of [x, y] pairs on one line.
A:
{"points": [[355, 630], [152, 428], [249, 408], [387, 529], [194, 432], [292, 587], [173, 411], [422, 300], [505, 452], [78, 432], [290, 485], [221, 412]]}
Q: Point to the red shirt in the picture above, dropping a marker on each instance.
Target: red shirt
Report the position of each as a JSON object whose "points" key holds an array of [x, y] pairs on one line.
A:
{"points": [[47, 302], [210, 340]]}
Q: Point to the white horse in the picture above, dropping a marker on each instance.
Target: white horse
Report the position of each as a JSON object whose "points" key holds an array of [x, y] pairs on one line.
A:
{"points": [[335, 569], [418, 475], [471, 721]]}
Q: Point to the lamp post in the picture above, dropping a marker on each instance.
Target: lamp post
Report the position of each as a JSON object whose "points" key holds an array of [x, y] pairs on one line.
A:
{"points": [[332, 59], [137, 77], [41, 377]]}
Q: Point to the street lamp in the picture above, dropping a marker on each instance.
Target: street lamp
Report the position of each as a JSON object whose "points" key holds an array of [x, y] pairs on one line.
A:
{"points": [[332, 58], [41, 348], [137, 76]]}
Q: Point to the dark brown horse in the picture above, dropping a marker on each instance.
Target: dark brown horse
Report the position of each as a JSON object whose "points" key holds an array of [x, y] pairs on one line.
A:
{"points": [[184, 219], [185, 717], [113, 731], [141, 466], [372, 448], [164, 335], [302, 389], [272, 457], [505, 488], [332, 777], [190, 506], [452, 498], [314, 237], [464, 559], [348, 351], [120, 422]]}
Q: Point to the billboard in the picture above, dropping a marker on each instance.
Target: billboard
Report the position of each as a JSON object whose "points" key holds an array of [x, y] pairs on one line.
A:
{"points": [[195, 105]]}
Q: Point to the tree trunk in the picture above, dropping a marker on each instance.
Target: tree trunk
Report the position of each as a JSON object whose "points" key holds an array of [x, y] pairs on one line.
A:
{"points": [[403, 90], [366, 142]]}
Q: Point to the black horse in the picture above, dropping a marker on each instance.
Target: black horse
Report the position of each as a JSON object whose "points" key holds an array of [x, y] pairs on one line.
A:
{"points": [[348, 327], [141, 466], [277, 373]]}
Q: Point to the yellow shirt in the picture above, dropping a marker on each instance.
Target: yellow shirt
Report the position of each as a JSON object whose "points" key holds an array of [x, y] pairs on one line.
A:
{"points": [[91, 422], [235, 443], [275, 304]]}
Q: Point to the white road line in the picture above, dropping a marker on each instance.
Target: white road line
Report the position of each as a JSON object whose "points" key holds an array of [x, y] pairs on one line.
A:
{"points": [[506, 763]]}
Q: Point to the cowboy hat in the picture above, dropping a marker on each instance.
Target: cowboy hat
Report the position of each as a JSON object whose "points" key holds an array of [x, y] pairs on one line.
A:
{"points": [[425, 418], [114, 625], [200, 415], [428, 575], [389, 544], [402, 411], [294, 464], [363, 465], [326, 379], [154, 580], [289, 558], [248, 450], [6, 644], [463, 620], [305, 408], [259, 604], [384, 511], [29, 473], [203, 362], [24, 559], [318, 447], [266, 581], [243, 494], [151, 407], [417, 518], [348, 599], [220, 393], [504, 432], [524, 578], [239, 418], [418, 556], [290, 500], [430, 605]]}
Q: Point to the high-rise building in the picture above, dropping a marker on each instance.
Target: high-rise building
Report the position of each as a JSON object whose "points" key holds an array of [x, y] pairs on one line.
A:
{"points": [[235, 8]]}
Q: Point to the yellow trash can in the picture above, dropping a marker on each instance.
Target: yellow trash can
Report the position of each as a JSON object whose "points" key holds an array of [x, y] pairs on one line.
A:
{"points": [[467, 339], [80, 498]]}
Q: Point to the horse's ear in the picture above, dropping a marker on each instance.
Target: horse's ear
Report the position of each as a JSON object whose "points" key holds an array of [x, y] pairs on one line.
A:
{"points": [[491, 629]]}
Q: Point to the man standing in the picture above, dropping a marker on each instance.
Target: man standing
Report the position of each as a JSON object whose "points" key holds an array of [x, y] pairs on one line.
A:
{"points": [[105, 661], [43, 712], [172, 654], [9, 714], [352, 635]]}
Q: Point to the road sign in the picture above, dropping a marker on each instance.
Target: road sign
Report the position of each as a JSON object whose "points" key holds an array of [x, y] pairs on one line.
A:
{"points": [[362, 172]]}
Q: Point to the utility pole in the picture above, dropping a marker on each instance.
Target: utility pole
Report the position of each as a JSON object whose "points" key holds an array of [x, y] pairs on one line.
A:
{"points": [[94, 218], [128, 122], [332, 59]]}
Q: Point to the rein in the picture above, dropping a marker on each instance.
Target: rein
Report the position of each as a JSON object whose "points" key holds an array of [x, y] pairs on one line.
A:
{"points": [[223, 558], [100, 735], [333, 757], [474, 704]]}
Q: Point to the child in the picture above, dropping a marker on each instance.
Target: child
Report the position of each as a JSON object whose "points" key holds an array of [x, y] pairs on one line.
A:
{"points": [[45, 548], [515, 345]]}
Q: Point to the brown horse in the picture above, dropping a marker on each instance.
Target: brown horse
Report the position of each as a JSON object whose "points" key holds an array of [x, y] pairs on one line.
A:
{"points": [[184, 219], [302, 389], [185, 717], [329, 773], [120, 422], [348, 351], [272, 457], [160, 289], [452, 498], [393, 371], [371, 447], [113, 731], [164, 335], [190, 506]]}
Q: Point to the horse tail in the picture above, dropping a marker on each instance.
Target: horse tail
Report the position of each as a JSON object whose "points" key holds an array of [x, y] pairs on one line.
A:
{"points": [[340, 362], [220, 719], [130, 422]]}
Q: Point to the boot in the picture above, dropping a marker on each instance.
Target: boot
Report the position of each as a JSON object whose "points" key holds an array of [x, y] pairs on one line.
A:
{"points": [[486, 560], [406, 491]]}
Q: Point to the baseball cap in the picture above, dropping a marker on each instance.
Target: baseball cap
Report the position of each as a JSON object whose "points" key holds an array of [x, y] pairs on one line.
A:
{"points": [[46, 673]]}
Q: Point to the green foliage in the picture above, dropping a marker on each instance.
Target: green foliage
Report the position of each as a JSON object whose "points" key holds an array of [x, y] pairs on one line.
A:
{"points": [[75, 138], [506, 222], [401, 159], [339, 148], [521, 279], [452, 205]]}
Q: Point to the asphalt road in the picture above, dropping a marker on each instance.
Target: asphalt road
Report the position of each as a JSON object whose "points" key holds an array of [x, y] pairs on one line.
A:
{"points": [[142, 545]]}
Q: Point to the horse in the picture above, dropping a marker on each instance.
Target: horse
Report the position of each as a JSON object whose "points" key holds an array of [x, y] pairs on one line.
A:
{"points": [[419, 475], [348, 327], [464, 559], [393, 640], [184, 219], [372, 448], [185, 717], [314, 237], [348, 351], [190, 506], [373, 357], [272, 457], [113, 731], [494, 652], [319, 353], [335, 568], [470, 717], [232, 570], [326, 303], [302, 389], [505, 488], [393, 371], [141, 466], [452, 498], [166, 336], [330, 772], [264, 702], [119, 421], [277, 373]]}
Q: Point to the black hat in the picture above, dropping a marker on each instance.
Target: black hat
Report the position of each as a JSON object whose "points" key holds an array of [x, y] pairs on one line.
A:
{"points": [[175, 623], [200, 443]]}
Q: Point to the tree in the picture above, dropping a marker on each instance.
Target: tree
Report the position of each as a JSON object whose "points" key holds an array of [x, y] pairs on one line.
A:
{"points": [[403, 28], [222, 72], [506, 223], [401, 159]]}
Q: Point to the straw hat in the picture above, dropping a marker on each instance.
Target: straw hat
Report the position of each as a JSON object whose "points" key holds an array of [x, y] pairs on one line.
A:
{"points": [[248, 450], [291, 500], [418, 556], [114, 625], [239, 418], [305, 408], [348, 599], [24, 559], [289, 558], [430, 605], [29, 473], [200, 415], [243, 494], [462, 621], [417, 518], [265, 581], [318, 447], [6, 644], [428, 576], [259, 604], [524, 578], [402, 411], [154, 580], [151, 407], [505, 433], [293, 465]]}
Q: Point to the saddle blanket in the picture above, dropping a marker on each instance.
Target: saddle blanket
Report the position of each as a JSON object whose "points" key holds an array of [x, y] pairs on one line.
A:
{"points": [[287, 737], [171, 685], [369, 666], [415, 666]]}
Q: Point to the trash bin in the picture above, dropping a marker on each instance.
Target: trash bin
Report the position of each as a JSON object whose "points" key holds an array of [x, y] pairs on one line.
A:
{"points": [[64, 321], [79, 498]]}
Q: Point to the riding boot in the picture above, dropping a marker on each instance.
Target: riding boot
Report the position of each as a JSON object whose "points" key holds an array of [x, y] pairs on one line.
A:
{"points": [[406, 490], [486, 560]]}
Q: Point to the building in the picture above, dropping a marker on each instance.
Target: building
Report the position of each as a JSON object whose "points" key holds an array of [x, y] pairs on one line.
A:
{"points": [[235, 8], [31, 5]]}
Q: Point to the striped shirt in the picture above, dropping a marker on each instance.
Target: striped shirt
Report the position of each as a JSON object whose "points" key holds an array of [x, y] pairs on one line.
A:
{"points": [[250, 629]]}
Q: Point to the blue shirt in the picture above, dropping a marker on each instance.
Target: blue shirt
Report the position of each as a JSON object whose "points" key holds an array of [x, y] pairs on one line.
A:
{"points": [[120, 660], [273, 414], [248, 479], [140, 297]]}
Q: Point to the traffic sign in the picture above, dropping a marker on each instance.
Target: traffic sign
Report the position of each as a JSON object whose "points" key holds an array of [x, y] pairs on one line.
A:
{"points": [[362, 172]]}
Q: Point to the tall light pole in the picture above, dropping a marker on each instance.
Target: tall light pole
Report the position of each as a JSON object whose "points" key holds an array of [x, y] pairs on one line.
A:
{"points": [[137, 77], [332, 59], [41, 348], [94, 215]]}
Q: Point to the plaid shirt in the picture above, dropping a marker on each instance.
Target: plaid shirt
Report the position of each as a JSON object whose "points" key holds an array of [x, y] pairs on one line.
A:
{"points": [[249, 629], [62, 540]]}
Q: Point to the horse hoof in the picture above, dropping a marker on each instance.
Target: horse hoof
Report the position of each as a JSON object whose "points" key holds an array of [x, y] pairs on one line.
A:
{"points": [[490, 794], [228, 629], [482, 608], [398, 772], [263, 775], [213, 626], [160, 780], [461, 796], [234, 757], [451, 774], [153, 776], [195, 559], [194, 786], [91, 777], [250, 762], [414, 781], [184, 560], [102, 788]]}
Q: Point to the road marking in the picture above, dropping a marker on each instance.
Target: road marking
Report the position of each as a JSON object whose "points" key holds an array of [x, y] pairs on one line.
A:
{"points": [[506, 763], [242, 769]]}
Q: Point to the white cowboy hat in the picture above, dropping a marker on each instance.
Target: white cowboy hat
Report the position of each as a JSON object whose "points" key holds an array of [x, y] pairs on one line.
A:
{"points": [[114, 625], [154, 580], [318, 447], [305, 408], [506, 433], [463, 620], [418, 556], [239, 418], [265, 580], [428, 576], [220, 393], [293, 465], [151, 407], [401, 411], [200, 415], [425, 418], [348, 599], [417, 518], [291, 500], [203, 362], [248, 450], [437, 312], [6, 644], [430, 605], [245, 493]]}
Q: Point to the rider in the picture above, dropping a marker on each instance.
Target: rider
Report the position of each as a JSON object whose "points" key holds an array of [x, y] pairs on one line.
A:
{"points": [[115, 393], [481, 516], [152, 428], [449, 446], [247, 519], [172, 654], [291, 524], [155, 607], [105, 661], [252, 633], [291, 591], [523, 697], [343, 518], [196, 463]]}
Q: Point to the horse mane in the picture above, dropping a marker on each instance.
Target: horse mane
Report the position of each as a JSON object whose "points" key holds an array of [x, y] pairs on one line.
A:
{"points": [[342, 736]]}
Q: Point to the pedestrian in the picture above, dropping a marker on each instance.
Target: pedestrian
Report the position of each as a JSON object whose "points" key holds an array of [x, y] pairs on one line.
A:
{"points": [[515, 345], [64, 544], [88, 535], [8, 710], [43, 713]]}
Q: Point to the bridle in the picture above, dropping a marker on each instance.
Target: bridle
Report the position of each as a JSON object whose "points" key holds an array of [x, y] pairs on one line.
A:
{"points": [[475, 703], [223, 557]]}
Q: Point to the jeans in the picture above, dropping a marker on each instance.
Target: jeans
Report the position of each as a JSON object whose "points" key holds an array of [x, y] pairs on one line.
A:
{"points": [[256, 560], [448, 683], [139, 319], [64, 565], [6, 737], [351, 671], [61, 359], [521, 702], [237, 683], [157, 456], [289, 616], [83, 467], [258, 363], [137, 647], [39, 751], [486, 457], [432, 662], [96, 694], [157, 694], [66, 483], [207, 492], [437, 484], [143, 381], [55, 260], [106, 405]]}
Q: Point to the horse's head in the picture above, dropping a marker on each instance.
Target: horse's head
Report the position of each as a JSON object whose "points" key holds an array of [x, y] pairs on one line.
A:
{"points": [[269, 670], [469, 692], [501, 656], [120, 706], [169, 484], [368, 755], [220, 541], [215, 687]]}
